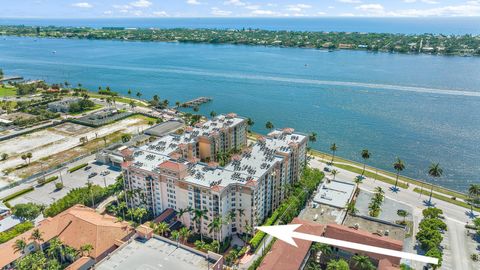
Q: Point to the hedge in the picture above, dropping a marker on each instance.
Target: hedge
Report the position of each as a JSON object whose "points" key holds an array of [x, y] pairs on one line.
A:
{"points": [[78, 167], [259, 260], [15, 231], [292, 206], [16, 194], [48, 180]]}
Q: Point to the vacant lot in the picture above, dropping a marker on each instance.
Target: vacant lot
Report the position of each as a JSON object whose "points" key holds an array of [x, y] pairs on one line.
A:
{"points": [[54, 146]]}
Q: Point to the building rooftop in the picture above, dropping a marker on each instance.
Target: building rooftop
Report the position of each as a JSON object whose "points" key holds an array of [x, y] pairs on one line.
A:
{"points": [[76, 226], [155, 253], [8, 223], [334, 193], [164, 128]]}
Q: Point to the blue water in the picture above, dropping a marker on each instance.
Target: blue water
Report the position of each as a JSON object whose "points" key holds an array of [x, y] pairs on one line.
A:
{"points": [[457, 25], [421, 108]]}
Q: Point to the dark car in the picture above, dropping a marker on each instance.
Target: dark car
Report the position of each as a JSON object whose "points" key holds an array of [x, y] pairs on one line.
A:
{"points": [[92, 175], [88, 168]]}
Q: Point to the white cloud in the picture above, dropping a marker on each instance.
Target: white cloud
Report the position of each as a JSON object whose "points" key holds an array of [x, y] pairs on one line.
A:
{"points": [[298, 7], [432, 2], [219, 12], [371, 9], [234, 3], [350, 1], [160, 13], [123, 7], [193, 2], [141, 4], [321, 13], [137, 13], [263, 12], [252, 7], [108, 12], [83, 5]]}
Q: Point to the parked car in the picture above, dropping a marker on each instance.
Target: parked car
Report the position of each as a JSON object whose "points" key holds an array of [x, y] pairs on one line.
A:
{"points": [[327, 169], [92, 175], [88, 168]]}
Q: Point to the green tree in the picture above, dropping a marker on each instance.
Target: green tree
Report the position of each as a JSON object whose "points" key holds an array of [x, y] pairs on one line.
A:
{"points": [[126, 137], [312, 137], [139, 94], [399, 166], [334, 149], [402, 213], [1, 73], [36, 236], [337, 265], [334, 172], [176, 236], [198, 216], [269, 125], [86, 249], [474, 195], [432, 212], [19, 245], [215, 227], [27, 211], [362, 262], [435, 253], [213, 114], [129, 92], [162, 228], [434, 171], [184, 233], [365, 155]]}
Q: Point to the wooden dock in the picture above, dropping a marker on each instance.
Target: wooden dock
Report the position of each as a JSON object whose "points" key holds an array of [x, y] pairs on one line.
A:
{"points": [[196, 102], [15, 78]]}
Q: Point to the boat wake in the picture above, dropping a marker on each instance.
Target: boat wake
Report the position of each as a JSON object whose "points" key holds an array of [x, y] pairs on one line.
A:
{"points": [[240, 76]]}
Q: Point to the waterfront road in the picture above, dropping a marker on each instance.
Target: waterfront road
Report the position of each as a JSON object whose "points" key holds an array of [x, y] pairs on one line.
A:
{"points": [[457, 243]]}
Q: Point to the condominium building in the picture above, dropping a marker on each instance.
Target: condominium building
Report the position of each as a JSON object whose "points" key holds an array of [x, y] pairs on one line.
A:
{"points": [[181, 171]]}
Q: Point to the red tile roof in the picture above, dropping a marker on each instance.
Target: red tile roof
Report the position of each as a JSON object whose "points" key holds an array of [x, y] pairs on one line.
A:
{"points": [[363, 237], [173, 166], [284, 256]]}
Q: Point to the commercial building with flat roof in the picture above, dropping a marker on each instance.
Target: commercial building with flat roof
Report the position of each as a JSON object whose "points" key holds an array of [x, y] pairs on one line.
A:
{"points": [[335, 193], [155, 252], [181, 171]]}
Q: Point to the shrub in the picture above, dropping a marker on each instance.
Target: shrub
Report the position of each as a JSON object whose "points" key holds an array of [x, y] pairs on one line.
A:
{"points": [[17, 194], [58, 185], [41, 181], [78, 167], [474, 257], [15, 231], [27, 211]]}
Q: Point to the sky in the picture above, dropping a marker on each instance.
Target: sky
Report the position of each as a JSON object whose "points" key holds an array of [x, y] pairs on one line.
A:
{"points": [[236, 8]]}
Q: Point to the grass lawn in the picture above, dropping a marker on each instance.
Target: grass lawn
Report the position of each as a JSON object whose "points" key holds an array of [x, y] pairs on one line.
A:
{"points": [[426, 191], [371, 175], [96, 107], [7, 91], [447, 192]]}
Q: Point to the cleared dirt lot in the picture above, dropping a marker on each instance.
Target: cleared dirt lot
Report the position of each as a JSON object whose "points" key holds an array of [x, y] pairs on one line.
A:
{"points": [[62, 143]]}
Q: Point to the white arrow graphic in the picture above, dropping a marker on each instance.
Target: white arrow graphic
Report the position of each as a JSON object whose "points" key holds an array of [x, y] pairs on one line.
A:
{"points": [[286, 233]]}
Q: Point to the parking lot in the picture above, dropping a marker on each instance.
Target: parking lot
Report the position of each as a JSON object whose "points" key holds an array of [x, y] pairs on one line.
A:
{"points": [[47, 193]]}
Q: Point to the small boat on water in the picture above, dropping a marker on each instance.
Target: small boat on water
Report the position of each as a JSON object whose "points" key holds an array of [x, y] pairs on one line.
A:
{"points": [[54, 52]]}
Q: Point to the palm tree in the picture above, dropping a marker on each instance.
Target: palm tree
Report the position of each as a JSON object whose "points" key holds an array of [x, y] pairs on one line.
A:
{"points": [[313, 266], [365, 155], [24, 158], [379, 190], [474, 194], [399, 166], [20, 245], [334, 149], [269, 125], [181, 212], [312, 137], [213, 114], [198, 215], [402, 213], [36, 236], [87, 248], [176, 237], [334, 173], [139, 94], [241, 213], [55, 250], [162, 228], [215, 227], [250, 122], [129, 92], [184, 233], [362, 262], [434, 171]]}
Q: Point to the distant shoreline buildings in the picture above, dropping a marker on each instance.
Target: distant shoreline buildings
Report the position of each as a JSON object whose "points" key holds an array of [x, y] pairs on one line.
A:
{"points": [[211, 167]]}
